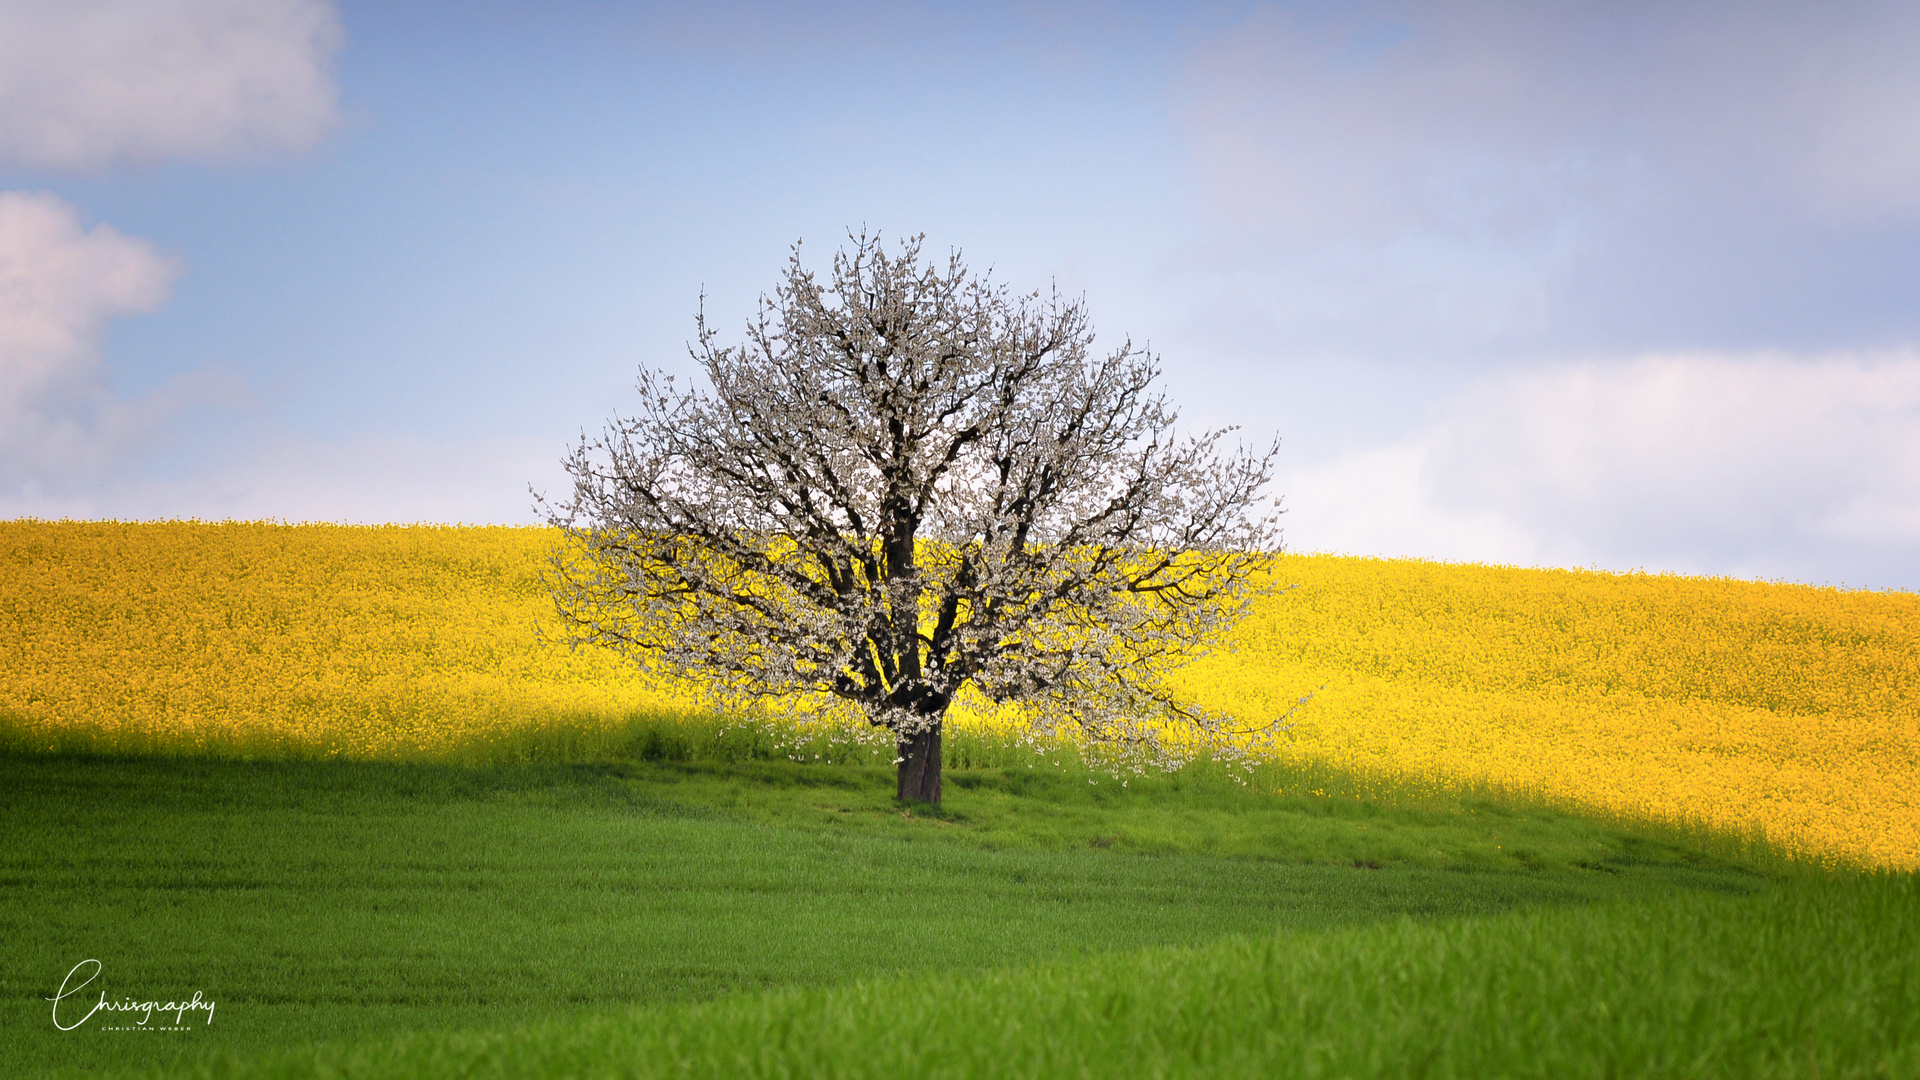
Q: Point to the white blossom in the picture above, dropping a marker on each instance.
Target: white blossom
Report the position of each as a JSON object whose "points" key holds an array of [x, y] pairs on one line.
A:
{"points": [[908, 485]]}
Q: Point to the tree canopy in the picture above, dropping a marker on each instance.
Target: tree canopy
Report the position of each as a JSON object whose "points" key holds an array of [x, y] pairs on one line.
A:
{"points": [[908, 484]]}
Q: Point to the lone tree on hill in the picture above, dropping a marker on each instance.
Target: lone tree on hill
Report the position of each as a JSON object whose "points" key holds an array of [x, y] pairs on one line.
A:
{"points": [[908, 483]]}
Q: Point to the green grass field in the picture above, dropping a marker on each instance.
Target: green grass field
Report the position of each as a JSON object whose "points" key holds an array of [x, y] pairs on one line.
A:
{"points": [[669, 911]]}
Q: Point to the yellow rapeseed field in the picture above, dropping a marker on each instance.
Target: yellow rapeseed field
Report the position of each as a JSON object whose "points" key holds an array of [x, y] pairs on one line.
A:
{"points": [[1744, 704], [1739, 703], [366, 642]]}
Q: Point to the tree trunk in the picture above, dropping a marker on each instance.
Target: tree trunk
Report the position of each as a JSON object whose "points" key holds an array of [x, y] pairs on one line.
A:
{"points": [[920, 766]]}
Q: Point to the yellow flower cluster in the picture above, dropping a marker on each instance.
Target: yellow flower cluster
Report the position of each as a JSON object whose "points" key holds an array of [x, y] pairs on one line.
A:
{"points": [[1739, 703], [365, 642]]}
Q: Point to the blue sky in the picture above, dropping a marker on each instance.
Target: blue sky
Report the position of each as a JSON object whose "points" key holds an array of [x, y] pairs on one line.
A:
{"points": [[1550, 284]]}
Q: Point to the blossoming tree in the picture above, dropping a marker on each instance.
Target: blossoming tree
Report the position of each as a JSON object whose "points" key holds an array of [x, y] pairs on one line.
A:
{"points": [[908, 485]]}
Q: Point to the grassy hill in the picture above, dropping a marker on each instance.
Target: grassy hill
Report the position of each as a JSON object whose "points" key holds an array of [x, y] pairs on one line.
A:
{"points": [[1533, 823], [393, 919]]}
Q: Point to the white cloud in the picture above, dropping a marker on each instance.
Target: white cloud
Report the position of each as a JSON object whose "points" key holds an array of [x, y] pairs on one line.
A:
{"points": [[70, 448], [1378, 502], [1485, 180], [86, 84], [1507, 120], [59, 284], [1770, 466]]}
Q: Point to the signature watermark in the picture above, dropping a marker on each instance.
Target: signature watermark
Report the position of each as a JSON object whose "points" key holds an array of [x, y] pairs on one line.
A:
{"points": [[79, 1010]]}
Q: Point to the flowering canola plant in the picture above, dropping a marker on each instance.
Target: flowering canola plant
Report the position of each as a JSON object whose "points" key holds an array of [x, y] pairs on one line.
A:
{"points": [[361, 642], [1743, 704]]}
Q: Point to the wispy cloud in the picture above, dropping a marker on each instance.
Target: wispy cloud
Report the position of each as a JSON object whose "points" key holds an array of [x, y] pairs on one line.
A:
{"points": [[1505, 119], [1429, 177], [360, 480], [1770, 465], [60, 282], [88, 84]]}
